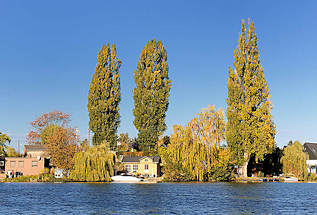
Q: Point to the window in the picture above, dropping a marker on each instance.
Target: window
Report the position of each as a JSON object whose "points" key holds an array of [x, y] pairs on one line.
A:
{"points": [[146, 167], [12, 164], [21, 164], [135, 168], [146, 160], [128, 168], [34, 163], [1, 163]]}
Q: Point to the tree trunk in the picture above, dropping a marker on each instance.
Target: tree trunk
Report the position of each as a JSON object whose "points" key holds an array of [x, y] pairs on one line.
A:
{"points": [[244, 167]]}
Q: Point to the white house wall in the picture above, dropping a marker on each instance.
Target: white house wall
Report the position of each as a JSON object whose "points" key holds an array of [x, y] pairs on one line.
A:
{"points": [[311, 162], [311, 166]]}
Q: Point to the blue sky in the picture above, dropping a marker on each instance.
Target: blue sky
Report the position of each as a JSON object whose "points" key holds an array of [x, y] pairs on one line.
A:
{"points": [[48, 55]]}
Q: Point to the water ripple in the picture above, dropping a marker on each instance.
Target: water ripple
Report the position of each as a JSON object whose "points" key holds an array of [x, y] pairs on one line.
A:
{"points": [[166, 198]]}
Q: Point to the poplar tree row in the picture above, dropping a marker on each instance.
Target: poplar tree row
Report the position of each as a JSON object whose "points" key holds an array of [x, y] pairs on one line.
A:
{"points": [[150, 95], [250, 130]]}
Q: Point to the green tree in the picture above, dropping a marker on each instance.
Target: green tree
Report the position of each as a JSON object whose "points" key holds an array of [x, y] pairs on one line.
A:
{"points": [[151, 94], [250, 128], [104, 97], [11, 152], [84, 145], [125, 142], [294, 160], [4, 140]]}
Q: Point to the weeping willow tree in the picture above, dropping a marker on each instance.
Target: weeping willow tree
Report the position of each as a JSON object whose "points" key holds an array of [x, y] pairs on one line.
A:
{"points": [[294, 160], [194, 153], [94, 164]]}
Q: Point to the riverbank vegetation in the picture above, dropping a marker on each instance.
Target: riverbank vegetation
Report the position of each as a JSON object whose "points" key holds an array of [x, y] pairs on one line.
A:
{"points": [[46, 176], [206, 149]]}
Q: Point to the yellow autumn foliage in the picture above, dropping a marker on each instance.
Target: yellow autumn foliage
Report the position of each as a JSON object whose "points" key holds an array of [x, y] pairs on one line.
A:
{"points": [[194, 153], [294, 160], [94, 164]]}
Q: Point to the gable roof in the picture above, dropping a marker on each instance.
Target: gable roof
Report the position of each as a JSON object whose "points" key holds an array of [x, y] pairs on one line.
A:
{"points": [[311, 149], [136, 159], [33, 148]]}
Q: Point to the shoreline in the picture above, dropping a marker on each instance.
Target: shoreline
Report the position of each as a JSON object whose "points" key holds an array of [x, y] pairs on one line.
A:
{"points": [[160, 182]]}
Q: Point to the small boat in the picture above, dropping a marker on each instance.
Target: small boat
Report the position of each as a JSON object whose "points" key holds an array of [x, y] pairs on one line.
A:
{"points": [[290, 179], [125, 179]]}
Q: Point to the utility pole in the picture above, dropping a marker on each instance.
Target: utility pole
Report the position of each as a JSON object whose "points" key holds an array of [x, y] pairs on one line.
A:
{"points": [[18, 146], [88, 136]]}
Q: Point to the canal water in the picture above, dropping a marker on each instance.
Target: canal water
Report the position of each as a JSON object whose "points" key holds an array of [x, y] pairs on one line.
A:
{"points": [[162, 198]]}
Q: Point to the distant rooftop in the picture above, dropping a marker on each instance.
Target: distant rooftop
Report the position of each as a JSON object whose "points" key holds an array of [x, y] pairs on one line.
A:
{"points": [[311, 149], [136, 159], [33, 148]]}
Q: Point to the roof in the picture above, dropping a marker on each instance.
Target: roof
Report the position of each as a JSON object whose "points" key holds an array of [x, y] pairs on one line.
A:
{"points": [[311, 149], [136, 159], [33, 148]]}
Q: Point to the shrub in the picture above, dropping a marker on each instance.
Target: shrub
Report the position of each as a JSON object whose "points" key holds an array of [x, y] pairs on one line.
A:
{"points": [[312, 177]]}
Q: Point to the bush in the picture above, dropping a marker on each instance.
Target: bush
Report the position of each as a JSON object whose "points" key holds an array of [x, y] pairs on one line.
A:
{"points": [[312, 177], [260, 174], [43, 177], [175, 173], [22, 179], [223, 169]]}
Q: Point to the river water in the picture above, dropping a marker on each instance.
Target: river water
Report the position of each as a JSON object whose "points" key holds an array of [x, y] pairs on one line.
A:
{"points": [[162, 198]]}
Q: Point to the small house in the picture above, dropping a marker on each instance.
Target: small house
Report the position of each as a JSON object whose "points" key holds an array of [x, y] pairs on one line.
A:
{"points": [[148, 166], [33, 162], [311, 150], [34, 151]]}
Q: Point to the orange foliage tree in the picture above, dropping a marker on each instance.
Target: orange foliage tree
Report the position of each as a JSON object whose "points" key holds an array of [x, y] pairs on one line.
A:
{"points": [[38, 125], [52, 130], [61, 144]]}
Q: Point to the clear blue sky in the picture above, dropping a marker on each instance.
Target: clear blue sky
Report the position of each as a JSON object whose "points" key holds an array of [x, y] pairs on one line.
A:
{"points": [[48, 55]]}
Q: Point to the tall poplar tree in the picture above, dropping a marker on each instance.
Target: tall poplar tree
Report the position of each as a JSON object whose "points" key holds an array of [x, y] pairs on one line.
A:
{"points": [[250, 128], [151, 94], [104, 97]]}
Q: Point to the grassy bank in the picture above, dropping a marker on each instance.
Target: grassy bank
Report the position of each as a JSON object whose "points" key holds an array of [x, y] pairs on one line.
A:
{"points": [[35, 178]]}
